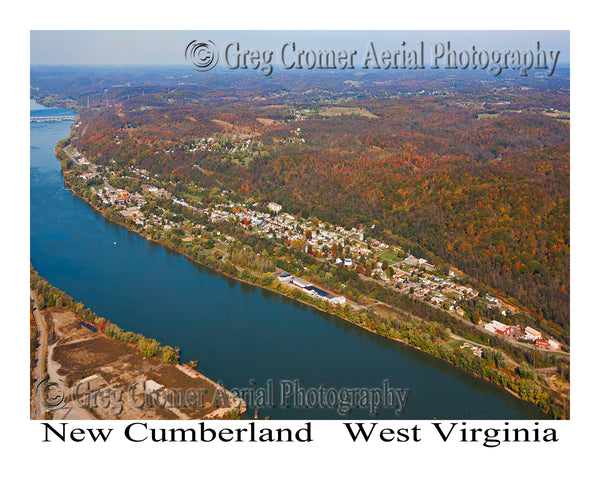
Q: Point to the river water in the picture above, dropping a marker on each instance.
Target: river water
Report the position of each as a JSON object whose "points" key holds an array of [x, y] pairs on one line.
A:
{"points": [[240, 334]]}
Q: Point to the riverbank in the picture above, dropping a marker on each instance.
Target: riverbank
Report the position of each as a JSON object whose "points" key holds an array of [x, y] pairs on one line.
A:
{"points": [[407, 333], [89, 354], [162, 294]]}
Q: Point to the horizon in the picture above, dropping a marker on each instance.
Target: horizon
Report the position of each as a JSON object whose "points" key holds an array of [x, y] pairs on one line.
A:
{"points": [[167, 47]]}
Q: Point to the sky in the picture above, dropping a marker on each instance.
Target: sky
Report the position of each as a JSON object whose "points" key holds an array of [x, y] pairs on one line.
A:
{"points": [[167, 47]]}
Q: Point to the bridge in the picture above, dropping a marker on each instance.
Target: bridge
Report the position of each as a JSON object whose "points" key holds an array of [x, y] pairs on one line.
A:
{"points": [[54, 118]]}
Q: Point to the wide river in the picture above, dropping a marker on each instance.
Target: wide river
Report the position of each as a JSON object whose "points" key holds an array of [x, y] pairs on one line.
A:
{"points": [[240, 334]]}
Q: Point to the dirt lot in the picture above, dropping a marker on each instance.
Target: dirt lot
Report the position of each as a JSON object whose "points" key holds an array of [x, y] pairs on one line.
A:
{"points": [[112, 380], [337, 111], [268, 121]]}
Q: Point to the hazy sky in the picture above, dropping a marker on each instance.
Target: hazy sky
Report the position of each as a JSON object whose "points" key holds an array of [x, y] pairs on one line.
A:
{"points": [[167, 46]]}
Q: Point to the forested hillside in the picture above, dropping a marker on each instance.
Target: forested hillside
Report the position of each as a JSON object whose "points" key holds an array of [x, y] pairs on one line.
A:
{"points": [[477, 172]]}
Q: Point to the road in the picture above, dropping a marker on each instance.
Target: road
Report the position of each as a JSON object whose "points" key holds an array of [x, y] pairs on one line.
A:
{"points": [[70, 410], [480, 328], [37, 411], [481, 345]]}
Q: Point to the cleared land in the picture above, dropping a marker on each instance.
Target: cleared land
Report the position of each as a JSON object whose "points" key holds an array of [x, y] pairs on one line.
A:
{"points": [[337, 111], [111, 379]]}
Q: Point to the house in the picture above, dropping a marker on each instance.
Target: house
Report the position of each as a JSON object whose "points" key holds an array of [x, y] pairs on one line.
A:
{"points": [[477, 351], [489, 298]]}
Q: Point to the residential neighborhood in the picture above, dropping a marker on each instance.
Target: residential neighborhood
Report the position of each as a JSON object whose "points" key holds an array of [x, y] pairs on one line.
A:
{"points": [[351, 248]]}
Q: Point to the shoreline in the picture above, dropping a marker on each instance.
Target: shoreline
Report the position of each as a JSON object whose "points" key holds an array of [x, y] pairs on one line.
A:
{"points": [[58, 371], [399, 340]]}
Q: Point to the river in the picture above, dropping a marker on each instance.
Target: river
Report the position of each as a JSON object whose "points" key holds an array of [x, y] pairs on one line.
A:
{"points": [[240, 334]]}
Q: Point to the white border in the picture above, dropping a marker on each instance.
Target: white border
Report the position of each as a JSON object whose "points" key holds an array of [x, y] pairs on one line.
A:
{"points": [[337, 455]]}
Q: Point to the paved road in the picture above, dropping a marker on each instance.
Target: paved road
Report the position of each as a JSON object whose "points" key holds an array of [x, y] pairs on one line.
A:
{"points": [[547, 370], [37, 411], [481, 328], [71, 410]]}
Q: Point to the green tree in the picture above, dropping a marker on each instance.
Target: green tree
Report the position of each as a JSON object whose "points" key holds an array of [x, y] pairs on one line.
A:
{"points": [[149, 347], [168, 355], [525, 371]]}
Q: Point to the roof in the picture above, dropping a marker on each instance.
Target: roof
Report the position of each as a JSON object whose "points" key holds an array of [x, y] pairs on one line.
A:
{"points": [[320, 292], [301, 282], [531, 331]]}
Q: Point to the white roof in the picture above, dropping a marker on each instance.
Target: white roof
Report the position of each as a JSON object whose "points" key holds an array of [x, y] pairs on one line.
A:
{"points": [[301, 282], [532, 331]]}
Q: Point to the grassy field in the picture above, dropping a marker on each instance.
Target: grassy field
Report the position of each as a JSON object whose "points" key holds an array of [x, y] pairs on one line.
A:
{"points": [[337, 111], [391, 256]]}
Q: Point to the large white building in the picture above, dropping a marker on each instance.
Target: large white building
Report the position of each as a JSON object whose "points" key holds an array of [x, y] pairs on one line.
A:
{"points": [[532, 334], [274, 207], [498, 327], [554, 344], [299, 282]]}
